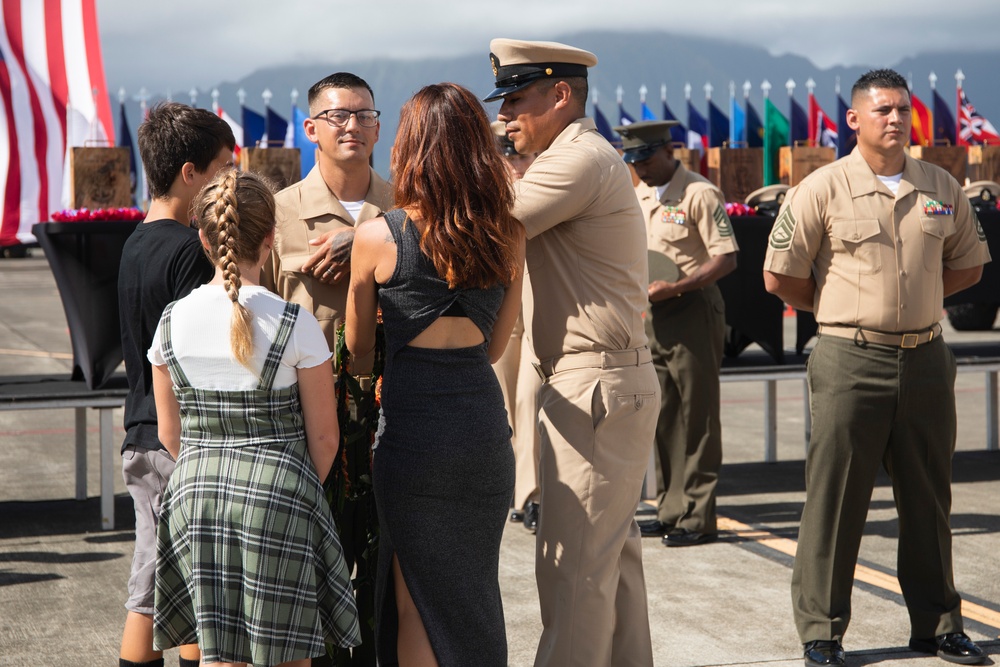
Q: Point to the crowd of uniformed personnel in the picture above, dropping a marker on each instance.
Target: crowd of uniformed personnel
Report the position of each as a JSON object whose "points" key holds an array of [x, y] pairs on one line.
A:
{"points": [[621, 344]]}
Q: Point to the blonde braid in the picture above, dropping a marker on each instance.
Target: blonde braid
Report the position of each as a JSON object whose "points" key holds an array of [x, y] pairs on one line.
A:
{"points": [[241, 331]]}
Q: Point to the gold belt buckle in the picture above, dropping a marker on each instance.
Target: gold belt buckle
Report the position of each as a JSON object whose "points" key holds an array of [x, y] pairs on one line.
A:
{"points": [[907, 338]]}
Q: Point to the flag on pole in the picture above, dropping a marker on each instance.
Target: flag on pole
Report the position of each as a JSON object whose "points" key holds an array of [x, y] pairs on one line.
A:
{"points": [[624, 118], [237, 131], [737, 121], [697, 138], [775, 136], [973, 129], [718, 125], [822, 128], [645, 112], [846, 138], [754, 128], [125, 141], [923, 124], [799, 126], [604, 127], [254, 127], [307, 149], [52, 97], [277, 128], [944, 122], [678, 133]]}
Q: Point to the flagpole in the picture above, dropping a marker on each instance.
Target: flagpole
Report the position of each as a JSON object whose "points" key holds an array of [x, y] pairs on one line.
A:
{"points": [[732, 107], [813, 122], [642, 93], [193, 94], [746, 110], [215, 101], [959, 78], [932, 78]]}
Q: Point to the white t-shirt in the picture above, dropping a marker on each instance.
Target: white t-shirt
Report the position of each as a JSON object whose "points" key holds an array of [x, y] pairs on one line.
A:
{"points": [[199, 330], [892, 182], [353, 207]]}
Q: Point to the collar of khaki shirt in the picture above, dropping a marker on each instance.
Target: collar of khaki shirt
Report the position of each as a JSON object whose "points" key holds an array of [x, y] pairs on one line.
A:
{"points": [[317, 200], [863, 181], [574, 130]]}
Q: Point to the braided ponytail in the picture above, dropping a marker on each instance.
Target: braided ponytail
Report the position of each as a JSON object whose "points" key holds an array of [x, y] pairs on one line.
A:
{"points": [[240, 331], [236, 213]]}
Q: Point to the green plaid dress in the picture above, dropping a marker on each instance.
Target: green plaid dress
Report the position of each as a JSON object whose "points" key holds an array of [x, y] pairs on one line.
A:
{"points": [[249, 564]]}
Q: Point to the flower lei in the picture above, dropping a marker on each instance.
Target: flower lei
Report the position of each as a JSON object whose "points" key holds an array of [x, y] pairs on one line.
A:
{"points": [[98, 215], [736, 209], [349, 489]]}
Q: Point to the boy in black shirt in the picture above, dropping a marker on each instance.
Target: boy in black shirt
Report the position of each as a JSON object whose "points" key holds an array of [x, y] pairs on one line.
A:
{"points": [[181, 149]]}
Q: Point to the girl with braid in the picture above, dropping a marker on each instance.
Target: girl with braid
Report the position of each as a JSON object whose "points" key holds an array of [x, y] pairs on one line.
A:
{"points": [[249, 564]]}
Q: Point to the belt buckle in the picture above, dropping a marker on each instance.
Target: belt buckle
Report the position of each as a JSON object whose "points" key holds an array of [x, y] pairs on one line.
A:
{"points": [[907, 337], [541, 373]]}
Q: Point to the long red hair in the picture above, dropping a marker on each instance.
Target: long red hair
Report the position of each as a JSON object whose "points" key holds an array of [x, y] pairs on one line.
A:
{"points": [[449, 176]]}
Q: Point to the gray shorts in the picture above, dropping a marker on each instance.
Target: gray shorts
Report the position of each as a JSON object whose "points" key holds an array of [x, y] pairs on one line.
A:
{"points": [[146, 472]]}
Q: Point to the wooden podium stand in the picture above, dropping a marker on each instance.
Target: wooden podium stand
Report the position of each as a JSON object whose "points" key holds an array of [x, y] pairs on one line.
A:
{"points": [[736, 171], [281, 165], [99, 177], [797, 162], [953, 159], [984, 163], [691, 159]]}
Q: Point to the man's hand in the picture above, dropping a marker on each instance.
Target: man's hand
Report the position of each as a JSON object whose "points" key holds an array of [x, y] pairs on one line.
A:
{"points": [[661, 290], [331, 262]]}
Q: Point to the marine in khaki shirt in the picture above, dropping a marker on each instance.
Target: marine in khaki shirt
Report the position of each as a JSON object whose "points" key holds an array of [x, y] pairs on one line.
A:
{"points": [[305, 211], [872, 244], [586, 255], [315, 232], [686, 222]]}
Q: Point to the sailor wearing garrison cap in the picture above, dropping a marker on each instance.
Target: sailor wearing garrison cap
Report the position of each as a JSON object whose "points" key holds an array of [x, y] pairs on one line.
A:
{"points": [[687, 226], [587, 263]]}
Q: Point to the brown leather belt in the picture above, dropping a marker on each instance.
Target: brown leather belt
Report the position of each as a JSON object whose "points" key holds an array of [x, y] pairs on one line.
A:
{"points": [[907, 340], [605, 359]]}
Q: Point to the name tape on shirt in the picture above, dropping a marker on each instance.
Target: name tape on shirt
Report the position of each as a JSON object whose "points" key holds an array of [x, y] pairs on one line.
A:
{"points": [[722, 221], [783, 230]]}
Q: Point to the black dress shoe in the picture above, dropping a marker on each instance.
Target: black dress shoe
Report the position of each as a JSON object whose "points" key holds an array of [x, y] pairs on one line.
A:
{"points": [[516, 516], [531, 510], [823, 653], [952, 647], [681, 537], [653, 528]]}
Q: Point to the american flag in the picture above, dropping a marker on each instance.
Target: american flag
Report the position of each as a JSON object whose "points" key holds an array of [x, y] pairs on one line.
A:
{"points": [[973, 128], [52, 97]]}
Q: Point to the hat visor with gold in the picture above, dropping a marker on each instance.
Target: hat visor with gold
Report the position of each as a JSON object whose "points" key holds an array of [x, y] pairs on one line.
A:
{"points": [[518, 63]]}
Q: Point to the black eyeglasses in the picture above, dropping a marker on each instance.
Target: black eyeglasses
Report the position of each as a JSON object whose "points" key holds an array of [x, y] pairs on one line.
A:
{"points": [[341, 117]]}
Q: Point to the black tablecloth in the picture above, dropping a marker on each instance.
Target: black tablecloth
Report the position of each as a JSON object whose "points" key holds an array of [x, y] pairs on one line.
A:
{"points": [[84, 258]]}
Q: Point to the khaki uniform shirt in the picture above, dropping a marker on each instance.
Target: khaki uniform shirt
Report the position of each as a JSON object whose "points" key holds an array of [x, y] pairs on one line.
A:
{"points": [[688, 223], [306, 210], [586, 250], [877, 259]]}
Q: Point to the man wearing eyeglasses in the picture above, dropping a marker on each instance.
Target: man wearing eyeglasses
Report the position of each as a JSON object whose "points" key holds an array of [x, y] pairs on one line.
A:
{"points": [[316, 216]]}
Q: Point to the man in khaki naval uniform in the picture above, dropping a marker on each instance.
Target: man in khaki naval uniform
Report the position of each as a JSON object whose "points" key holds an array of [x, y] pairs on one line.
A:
{"points": [[586, 255], [316, 216], [686, 222], [872, 244]]}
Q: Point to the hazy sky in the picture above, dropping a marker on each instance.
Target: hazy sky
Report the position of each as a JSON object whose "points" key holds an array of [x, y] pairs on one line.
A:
{"points": [[177, 44]]}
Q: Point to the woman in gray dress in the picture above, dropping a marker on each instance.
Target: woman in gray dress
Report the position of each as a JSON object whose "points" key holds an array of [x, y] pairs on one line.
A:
{"points": [[445, 268]]}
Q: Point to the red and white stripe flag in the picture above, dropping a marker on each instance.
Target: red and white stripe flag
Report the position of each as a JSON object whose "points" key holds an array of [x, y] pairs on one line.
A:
{"points": [[52, 97]]}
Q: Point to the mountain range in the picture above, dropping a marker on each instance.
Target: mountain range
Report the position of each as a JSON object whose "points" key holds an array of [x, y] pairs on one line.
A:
{"points": [[629, 60]]}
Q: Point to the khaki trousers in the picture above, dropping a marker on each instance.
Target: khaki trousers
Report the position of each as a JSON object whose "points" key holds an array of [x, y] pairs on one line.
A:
{"points": [[596, 429], [877, 405], [686, 337]]}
